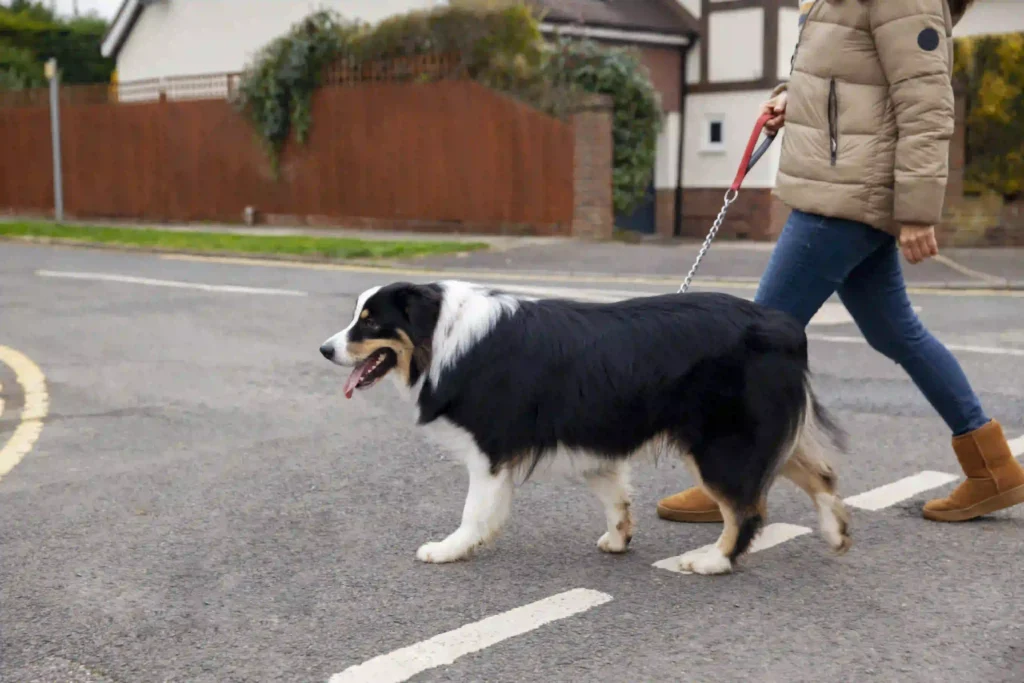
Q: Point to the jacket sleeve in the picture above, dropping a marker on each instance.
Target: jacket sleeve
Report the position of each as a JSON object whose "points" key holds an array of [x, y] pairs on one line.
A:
{"points": [[913, 46]]}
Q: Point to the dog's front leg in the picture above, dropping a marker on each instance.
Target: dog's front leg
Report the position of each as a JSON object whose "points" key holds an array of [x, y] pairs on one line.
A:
{"points": [[487, 507], [611, 486]]}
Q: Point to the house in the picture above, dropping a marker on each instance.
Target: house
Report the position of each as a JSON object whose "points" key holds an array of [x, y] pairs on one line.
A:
{"points": [[664, 34], [714, 62], [163, 38]]}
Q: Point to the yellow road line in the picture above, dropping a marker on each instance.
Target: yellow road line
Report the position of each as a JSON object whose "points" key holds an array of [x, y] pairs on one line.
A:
{"points": [[37, 405], [482, 274]]}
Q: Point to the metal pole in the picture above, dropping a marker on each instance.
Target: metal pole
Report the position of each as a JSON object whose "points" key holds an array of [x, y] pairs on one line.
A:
{"points": [[53, 74]]}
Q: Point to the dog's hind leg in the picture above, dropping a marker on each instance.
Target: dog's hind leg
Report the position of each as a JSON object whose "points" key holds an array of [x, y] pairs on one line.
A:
{"points": [[732, 470], [487, 508], [740, 527], [817, 480], [611, 486]]}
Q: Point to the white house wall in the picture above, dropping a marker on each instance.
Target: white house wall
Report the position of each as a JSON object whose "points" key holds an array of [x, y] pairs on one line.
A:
{"points": [[713, 169], [692, 6], [193, 37], [735, 45], [789, 32], [992, 16], [666, 166], [693, 64]]}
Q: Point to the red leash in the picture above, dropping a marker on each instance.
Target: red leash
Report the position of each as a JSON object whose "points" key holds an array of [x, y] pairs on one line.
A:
{"points": [[751, 156]]}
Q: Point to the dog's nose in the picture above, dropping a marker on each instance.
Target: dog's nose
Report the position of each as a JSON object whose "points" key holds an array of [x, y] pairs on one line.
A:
{"points": [[328, 351]]}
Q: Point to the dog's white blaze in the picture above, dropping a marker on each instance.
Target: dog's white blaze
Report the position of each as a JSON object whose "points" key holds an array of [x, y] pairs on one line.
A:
{"points": [[899, 491], [444, 649], [468, 313], [339, 342]]}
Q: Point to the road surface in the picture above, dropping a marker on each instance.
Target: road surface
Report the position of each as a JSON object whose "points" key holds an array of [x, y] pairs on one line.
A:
{"points": [[202, 504]]}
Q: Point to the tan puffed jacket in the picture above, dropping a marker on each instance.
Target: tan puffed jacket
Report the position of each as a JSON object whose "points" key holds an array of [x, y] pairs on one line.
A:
{"points": [[870, 112]]}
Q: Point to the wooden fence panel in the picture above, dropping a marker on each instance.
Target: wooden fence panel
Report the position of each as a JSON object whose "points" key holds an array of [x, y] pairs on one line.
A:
{"points": [[452, 151], [26, 160]]}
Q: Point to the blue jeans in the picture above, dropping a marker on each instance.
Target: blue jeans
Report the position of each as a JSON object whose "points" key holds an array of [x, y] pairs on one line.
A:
{"points": [[817, 256]]}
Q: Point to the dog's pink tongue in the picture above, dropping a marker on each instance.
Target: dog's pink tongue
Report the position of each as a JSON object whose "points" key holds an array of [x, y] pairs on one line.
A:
{"points": [[353, 379]]}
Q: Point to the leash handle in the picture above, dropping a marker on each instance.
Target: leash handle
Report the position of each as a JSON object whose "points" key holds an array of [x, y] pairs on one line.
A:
{"points": [[751, 155]]}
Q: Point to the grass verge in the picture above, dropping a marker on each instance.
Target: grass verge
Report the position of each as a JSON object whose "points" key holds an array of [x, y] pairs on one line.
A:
{"points": [[221, 243]]}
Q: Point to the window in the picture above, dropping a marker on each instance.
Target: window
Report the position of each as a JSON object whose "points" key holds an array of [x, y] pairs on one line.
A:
{"points": [[714, 133]]}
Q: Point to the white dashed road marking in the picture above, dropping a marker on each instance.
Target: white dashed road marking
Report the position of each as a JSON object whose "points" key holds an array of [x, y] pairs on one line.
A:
{"points": [[175, 284], [873, 500], [771, 536], [444, 649], [899, 491]]}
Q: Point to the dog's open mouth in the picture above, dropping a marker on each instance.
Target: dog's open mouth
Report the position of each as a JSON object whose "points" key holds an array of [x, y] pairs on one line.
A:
{"points": [[371, 370]]}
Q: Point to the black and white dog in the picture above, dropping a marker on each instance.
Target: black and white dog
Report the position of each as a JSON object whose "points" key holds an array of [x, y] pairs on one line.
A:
{"points": [[519, 383]]}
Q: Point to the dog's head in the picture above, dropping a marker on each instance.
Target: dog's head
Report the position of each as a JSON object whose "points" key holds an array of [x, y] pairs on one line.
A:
{"points": [[392, 329]]}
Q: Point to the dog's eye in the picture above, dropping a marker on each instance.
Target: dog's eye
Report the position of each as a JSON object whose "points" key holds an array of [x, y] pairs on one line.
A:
{"points": [[371, 323]]}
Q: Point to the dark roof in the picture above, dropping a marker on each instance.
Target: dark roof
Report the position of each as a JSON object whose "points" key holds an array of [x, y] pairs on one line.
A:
{"points": [[658, 16]]}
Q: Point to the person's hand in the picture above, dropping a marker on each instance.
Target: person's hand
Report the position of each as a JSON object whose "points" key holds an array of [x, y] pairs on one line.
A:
{"points": [[777, 106], [917, 242]]}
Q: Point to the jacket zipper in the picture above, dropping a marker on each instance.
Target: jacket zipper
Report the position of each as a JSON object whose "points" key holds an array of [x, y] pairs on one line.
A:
{"points": [[833, 121]]}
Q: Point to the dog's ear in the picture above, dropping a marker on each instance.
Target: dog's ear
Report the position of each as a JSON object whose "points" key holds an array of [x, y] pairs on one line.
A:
{"points": [[422, 306]]}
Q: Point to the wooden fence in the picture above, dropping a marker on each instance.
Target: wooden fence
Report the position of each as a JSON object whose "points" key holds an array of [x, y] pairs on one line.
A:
{"points": [[449, 153]]}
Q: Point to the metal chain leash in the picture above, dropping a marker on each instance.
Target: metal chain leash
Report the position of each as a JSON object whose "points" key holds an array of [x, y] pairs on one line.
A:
{"points": [[750, 157], [730, 197]]}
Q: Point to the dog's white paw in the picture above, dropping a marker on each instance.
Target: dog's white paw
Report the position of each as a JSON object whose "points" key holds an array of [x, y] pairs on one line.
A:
{"points": [[613, 543], [439, 553], [708, 560]]}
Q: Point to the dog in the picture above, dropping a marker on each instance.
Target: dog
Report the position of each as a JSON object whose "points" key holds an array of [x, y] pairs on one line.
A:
{"points": [[517, 382]]}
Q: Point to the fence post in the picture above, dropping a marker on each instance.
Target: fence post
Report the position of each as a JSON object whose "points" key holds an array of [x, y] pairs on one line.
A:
{"points": [[53, 74]]}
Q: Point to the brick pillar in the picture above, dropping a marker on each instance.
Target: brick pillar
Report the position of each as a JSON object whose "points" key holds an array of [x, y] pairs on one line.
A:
{"points": [[593, 215]]}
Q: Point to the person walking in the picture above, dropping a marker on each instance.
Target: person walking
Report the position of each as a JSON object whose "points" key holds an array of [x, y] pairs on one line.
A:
{"points": [[869, 107]]}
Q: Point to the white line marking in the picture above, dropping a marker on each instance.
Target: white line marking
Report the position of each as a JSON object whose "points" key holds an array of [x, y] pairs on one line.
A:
{"points": [[990, 350], [771, 536], [444, 649], [128, 279], [37, 405], [898, 491], [1017, 446]]}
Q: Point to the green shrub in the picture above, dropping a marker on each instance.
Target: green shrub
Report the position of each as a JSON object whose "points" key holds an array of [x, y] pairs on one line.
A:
{"points": [[992, 68], [618, 73]]}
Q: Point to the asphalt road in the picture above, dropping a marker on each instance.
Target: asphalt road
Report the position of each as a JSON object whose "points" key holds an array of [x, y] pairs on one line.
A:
{"points": [[203, 505]]}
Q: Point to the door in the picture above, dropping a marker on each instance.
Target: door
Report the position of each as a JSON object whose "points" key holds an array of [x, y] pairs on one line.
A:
{"points": [[642, 219]]}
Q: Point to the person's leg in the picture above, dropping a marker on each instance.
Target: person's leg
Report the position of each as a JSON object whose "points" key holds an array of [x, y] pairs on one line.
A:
{"points": [[876, 296], [812, 257]]}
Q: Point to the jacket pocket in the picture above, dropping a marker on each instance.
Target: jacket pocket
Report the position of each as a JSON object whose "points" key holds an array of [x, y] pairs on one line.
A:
{"points": [[833, 121]]}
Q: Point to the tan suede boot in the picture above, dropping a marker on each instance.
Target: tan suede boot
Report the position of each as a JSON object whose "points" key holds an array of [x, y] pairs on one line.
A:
{"points": [[691, 505], [995, 480]]}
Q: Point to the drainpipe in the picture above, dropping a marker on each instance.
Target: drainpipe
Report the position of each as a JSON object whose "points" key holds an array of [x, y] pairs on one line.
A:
{"points": [[684, 59]]}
